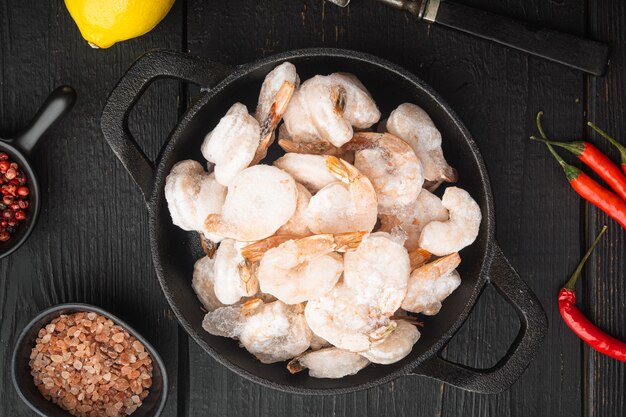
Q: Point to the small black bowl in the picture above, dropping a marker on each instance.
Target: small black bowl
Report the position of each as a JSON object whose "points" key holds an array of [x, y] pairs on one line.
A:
{"points": [[152, 405], [58, 103]]}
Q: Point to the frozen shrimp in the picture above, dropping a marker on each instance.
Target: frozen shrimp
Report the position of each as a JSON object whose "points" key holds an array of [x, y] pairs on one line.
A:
{"points": [[338, 318], [309, 170], [231, 146], [378, 272], [412, 124], [360, 109], [288, 144], [391, 165], [303, 269], [203, 283], [234, 277], [192, 194], [259, 201], [413, 217], [276, 332], [276, 92], [394, 347], [346, 205], [430, 284], [296, 226], [328, 363], [460, 230]]}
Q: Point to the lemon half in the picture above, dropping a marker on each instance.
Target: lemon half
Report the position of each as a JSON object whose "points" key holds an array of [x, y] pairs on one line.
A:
{"points": [[105, 22]]}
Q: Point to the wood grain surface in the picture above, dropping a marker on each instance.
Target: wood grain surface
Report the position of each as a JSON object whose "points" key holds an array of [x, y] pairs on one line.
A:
{"points": [[91, 243]]}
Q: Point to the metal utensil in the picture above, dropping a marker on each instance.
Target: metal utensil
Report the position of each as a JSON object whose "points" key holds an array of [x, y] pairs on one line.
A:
{"points": [[572, 51]]}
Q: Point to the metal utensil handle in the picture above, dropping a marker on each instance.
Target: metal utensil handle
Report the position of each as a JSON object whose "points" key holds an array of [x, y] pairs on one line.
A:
{"points": [[533, 328], [59, 102], [151, 66], [575, 52]]}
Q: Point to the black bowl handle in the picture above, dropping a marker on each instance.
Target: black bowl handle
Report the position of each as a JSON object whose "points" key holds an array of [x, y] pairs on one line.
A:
{"points": [[151, 66], [58, 103], [533, 328]]}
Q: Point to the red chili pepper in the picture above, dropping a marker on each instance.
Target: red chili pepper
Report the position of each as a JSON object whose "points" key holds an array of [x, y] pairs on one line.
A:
{"points": [[580, 324], [621, 148], [587, 188], [597, 161]]}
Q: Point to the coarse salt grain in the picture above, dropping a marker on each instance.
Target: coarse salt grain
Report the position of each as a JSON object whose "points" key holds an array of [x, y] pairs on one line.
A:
{"points": [[90, 366]]}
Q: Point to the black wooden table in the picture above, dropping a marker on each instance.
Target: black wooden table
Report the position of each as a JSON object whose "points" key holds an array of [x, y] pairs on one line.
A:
{"points": [[91, 243]]}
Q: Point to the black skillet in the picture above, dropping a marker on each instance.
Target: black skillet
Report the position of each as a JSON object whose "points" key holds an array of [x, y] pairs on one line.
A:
{"points": [[174, 251], [19, 148]]}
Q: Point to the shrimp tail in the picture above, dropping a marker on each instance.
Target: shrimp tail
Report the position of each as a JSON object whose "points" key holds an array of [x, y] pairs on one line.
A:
{"points": [[294, 366], [208, 246], [314, 148], [341, 170], [450, 174], [347, 242], [255, 251], [382, 332], [418, 257], [249, 307]]}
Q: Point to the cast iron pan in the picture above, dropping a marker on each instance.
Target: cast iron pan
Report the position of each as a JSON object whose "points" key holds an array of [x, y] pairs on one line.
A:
{"points": [[174, 251], [19, 148]]}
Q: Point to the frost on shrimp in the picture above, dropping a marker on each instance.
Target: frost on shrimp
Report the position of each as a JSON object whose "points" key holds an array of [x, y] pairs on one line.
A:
{"points": [[328, 363], [233, 275], [192, 194], [378, 272], [203, 283], [412, 124], [391, 165], [259, 201], [413, 217], [338, 318], [432, 283], [303, 269], [394, 347], [343, 206], [325, 108], [276, 92], [296, 226], [232, 144], [444, 237], [309, 170]]}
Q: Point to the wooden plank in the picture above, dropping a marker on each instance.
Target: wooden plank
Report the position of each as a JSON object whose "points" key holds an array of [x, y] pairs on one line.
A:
{"points": [[604, 296], [91, 244], [497, 93]]}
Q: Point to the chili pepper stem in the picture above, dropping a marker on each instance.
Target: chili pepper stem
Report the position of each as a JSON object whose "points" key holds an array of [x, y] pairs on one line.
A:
{"points": [[577, 148], [571, 283], [571, 172], [621, 148]]}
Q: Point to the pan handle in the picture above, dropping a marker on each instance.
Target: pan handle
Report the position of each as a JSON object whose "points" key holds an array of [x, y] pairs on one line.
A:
{"points": [[149, 67], [533, 328]]}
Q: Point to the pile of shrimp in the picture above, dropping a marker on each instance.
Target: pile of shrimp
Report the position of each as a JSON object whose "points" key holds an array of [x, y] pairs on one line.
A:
{"points": [[323, 257]]}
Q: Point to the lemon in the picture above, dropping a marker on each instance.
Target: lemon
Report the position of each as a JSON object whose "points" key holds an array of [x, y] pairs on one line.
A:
{"points": [[105, 22]]}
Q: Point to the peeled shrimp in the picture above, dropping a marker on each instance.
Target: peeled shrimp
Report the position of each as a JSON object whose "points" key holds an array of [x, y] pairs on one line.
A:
{"points": [[296, 226], [272, 332], [430, 284], [411, 123], [444, 237], [309, 170], [259, 201], [394, 347], [328, 363], [325, 108], [233, 276], [232, 144], [203, 283], [303, 269], [276, 92], [346, 205], [391, 165], [276, 332], [192, 194], [413, 217], [378, 272], [338, 318]]}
